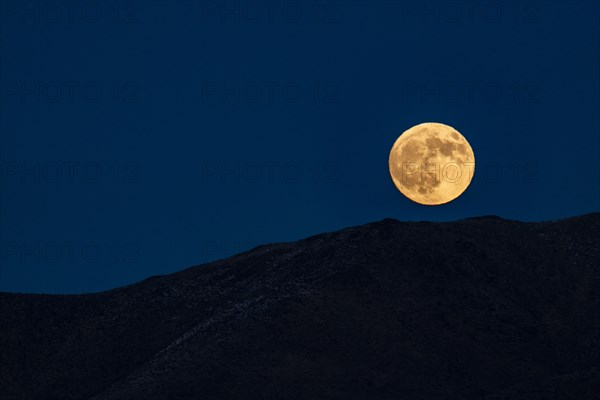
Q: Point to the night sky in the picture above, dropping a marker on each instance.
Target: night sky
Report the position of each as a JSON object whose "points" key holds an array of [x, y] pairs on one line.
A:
{"points": [[140, 138]]}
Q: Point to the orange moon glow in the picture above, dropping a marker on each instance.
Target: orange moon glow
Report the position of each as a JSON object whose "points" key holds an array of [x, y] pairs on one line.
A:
{"points": [[431, 163]]}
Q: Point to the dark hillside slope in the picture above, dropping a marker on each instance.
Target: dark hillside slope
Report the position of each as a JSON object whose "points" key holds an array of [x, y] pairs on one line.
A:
{"points": [[483, 308]]}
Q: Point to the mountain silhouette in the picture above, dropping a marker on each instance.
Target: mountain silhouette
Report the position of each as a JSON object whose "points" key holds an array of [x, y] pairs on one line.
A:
{"points": [[479, 309]]}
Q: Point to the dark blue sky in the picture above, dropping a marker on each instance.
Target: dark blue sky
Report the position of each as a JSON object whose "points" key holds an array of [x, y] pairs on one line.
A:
{"points": [[139, 138]]}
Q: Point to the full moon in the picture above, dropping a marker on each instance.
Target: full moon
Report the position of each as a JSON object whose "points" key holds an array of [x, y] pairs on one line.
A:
{"points": [[432, 163]]}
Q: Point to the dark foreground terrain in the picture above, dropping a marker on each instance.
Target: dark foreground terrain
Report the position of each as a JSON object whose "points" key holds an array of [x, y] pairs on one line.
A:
{"points": [[484, 309]]}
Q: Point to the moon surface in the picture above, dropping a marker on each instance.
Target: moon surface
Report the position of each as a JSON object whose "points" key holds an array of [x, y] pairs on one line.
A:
{"points": [[432, 163]]}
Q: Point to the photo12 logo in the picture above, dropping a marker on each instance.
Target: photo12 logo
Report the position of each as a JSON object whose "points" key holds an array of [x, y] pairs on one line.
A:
{"points": [[471, 12], [69, 92], [270, 12], [214, 250], [31, 12], [68, 252], [269, 92], [451, 172], [269, 172], [69, 172], [525, 172], [489, 92]]}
